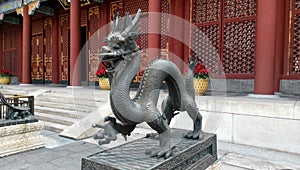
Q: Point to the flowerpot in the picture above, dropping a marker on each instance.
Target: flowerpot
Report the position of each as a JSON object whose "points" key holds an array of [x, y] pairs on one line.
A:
{"points": [[104, 83], [5, 80], [201, 85]]}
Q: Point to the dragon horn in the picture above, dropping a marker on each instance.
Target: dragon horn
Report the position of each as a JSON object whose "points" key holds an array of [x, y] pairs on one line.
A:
{"points": [[125, 21], [112, 24], [117, 24], [134, 22]]}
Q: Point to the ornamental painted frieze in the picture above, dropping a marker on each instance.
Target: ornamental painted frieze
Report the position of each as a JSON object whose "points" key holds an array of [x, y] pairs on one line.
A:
{"points": [[66, 3], [9, 6]]}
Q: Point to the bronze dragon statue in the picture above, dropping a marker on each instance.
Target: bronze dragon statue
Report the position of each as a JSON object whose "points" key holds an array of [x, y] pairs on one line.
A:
{"points": [[122, 58]]}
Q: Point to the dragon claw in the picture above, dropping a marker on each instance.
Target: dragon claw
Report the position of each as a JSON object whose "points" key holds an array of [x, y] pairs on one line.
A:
{"points": [[196, 134], [106, 134], [160, 152]]}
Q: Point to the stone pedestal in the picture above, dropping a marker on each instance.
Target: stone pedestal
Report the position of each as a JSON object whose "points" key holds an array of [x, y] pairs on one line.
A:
{"points": [[20, 137], [188, 154]]}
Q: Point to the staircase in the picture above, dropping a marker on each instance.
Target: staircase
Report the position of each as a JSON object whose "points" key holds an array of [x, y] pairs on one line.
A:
{"points": [[60, 108]]}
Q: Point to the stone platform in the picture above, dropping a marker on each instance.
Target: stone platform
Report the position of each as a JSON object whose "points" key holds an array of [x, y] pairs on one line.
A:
{"points": [[188, 154], [20, 137]]}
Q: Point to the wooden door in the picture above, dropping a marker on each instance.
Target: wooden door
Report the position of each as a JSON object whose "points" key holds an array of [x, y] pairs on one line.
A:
{"points": [[37, 59]]}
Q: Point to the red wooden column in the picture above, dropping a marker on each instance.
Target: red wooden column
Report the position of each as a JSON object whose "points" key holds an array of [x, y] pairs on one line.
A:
{"points": [[265, 47], [177, 30], [75, 70], [26, 48], [187, 28], [154, 24]]}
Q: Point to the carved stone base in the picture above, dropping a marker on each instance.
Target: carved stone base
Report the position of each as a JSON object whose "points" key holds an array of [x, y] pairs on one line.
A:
{"points": [[19, 138], [188, 154]]}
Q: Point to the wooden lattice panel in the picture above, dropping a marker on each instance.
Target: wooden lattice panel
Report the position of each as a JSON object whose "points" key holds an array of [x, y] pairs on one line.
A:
{"points": [[14, 50], [132, 7], [7, 35], [48, 49], [64, 47], [239, 47], [205, 45], [164, 24], [93, 16], [239, 8], [234, 28], [37, 27], [206, 11], [295, 62], [37, 61], [10, 48]]}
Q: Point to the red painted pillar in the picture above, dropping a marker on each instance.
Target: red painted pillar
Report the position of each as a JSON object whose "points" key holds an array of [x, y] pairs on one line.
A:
{"points": [[177, 30], [75, 70], [26, 78], [187, 28], [154, 29], [265, 47]]}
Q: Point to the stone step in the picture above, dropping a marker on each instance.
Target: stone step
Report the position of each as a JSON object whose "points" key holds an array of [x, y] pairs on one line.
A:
{"points": [[55, 119], [54, 127], [60, 112], [85, 95], [64, 106], [73, 101], [19, 92]]}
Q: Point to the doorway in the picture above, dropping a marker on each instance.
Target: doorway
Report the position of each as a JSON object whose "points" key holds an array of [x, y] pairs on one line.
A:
{"points": [[83, 57]]}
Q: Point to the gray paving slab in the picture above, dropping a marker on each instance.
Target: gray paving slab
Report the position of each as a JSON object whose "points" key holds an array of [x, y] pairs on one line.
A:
{"points": [[62, 157], [66, 154]]}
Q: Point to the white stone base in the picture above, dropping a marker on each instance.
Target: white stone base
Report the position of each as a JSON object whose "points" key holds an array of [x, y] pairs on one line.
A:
{"points": [[19, 138]]}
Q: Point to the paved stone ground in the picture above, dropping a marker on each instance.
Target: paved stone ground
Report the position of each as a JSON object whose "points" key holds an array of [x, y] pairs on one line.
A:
{"points": [[63, 153], [66, 154]]}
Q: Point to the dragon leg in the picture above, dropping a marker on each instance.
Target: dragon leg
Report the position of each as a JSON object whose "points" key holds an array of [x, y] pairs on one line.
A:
{"points": [[167, 110], [161, 126], [193, 112]]}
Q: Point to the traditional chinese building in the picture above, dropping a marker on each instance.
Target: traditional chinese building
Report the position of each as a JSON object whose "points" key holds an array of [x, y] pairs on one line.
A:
{"points": [[257, 41]]}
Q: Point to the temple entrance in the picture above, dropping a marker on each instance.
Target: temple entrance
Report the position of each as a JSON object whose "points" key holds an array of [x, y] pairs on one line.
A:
{"points": [[83, 58], [41, 53]]}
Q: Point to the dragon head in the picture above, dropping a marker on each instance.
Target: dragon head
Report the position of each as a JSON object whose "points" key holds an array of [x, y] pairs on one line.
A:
{"points": [[121, 42]]}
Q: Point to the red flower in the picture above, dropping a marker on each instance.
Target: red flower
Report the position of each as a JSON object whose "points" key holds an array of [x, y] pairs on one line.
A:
{"points": [[201, 72], [5, 72], [102, 72]]}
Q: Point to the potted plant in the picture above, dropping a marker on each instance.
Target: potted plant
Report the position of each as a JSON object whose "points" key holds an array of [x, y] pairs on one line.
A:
{"points": [[201, 78], [103, 78], [5, 76]]}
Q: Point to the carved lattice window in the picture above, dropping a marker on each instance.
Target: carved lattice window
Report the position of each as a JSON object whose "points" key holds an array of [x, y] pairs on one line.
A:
{"points": [[229, 25], [295, 60]]}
